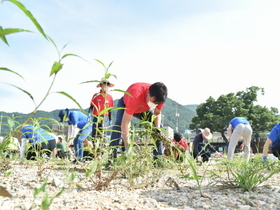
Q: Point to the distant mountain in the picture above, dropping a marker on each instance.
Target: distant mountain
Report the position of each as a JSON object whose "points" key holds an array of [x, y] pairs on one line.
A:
{"points": [[183, 117], [192, 107]]}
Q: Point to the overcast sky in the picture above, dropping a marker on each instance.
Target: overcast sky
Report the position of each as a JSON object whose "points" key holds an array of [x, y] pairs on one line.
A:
{"points": [[197, 48]]}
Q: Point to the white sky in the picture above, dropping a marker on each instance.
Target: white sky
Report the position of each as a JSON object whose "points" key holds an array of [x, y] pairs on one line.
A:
{"points": [[197, 48]]}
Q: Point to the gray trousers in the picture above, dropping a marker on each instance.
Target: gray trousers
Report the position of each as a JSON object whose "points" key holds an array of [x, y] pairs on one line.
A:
{"points": [[245, 131]]}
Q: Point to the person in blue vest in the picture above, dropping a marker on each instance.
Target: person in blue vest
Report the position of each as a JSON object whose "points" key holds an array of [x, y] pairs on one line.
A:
{"points": [[272, 142], [80, 126], [40, 140], [239, 126]]}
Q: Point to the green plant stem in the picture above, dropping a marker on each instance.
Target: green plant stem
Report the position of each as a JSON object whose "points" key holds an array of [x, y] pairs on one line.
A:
{"points": [[35, 110]]}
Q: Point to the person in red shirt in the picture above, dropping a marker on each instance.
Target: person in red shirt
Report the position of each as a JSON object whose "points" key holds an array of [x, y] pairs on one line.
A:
{"points": [[143, 99], [179, 147], [178, 138], [98, 105]]}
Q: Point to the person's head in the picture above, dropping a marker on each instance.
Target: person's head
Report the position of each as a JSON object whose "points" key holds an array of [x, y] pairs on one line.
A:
{"points": [[206, 133], [59, 139], [63, 115], [178, 136], [105, 84], [157, 93]]}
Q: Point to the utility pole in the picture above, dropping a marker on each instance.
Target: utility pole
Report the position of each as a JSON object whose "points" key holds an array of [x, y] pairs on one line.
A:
{"points": [[177, 117], [0, 123]]}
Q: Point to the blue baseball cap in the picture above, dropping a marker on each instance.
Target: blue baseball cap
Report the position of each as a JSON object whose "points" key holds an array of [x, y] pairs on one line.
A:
{"points": [[63, 114]]}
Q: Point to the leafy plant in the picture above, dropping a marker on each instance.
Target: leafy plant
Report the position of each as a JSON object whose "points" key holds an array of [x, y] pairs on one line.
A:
{"points": [[244, 175], [47, 201], [195, 175]]}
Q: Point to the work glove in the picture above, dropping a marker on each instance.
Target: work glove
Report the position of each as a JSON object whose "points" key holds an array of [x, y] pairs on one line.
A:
{"points": [[264, 159]]}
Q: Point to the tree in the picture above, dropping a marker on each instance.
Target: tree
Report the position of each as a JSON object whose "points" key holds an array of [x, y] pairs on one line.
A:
{"points": [[216, 114], [262, 118]]}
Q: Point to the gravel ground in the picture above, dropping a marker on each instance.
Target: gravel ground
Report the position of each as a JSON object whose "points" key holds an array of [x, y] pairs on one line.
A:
{"points": [[168, 192]]}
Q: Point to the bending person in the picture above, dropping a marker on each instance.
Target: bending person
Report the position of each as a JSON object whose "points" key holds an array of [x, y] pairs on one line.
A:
{"points": [[239, 126], [79, 128]]}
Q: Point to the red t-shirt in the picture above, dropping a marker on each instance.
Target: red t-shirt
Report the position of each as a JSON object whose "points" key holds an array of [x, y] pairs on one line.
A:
{"points": [[136, 101], [183, 143], [100, 102]]}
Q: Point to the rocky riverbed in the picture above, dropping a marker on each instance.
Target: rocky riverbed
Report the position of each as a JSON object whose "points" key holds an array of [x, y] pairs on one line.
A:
{"points": [[169, 191]]}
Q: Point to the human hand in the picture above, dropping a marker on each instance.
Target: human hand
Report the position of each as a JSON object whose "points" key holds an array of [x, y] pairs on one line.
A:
{"points": [[127, 150], [219, 154], [264, 159], [241, 147]]}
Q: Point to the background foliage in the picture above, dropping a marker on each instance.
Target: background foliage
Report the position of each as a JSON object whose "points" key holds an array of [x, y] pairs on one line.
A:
{"points": [[169, 110], [216, 114]]}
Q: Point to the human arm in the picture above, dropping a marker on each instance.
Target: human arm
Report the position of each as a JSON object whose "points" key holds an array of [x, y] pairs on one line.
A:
{"points": [[229, 130], [212, 149], [266, 146], [218, 154], [157, 120], [241, 147], [90, 109], [125, 128]]}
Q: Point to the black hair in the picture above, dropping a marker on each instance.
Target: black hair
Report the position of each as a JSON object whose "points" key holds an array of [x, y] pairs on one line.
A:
{"points": [[60, 138], [159, 91], [178, 137]]}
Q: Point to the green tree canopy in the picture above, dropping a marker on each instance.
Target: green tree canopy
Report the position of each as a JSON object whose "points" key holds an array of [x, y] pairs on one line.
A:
{"points": [[216, 114]]}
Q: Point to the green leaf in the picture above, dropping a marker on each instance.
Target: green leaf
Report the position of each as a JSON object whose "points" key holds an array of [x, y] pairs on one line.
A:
{"points": [[69, 54], [11, 123], [9, 70], [36, 192], [67, 95], [8, 31], [4, 40], [119, 90], [91, 81], [108, 75], [56, 68], [101, 63], [45, 202], [43, 187], [22, 90], [59, 193], [110, 64], [79, 186], [31, 17], [4, 32]]}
